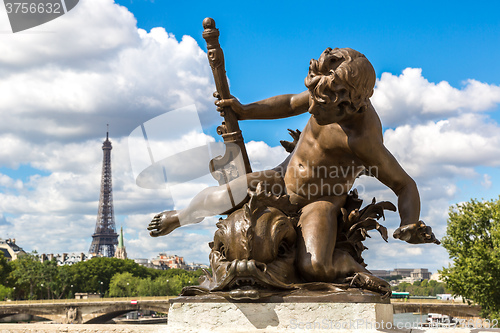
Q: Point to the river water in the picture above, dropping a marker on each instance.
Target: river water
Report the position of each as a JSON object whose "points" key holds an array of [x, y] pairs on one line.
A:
{"points": [[409, 318]]}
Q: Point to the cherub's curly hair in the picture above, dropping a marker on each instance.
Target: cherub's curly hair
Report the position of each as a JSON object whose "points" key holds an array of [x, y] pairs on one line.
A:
{"points": [[341, 68]]}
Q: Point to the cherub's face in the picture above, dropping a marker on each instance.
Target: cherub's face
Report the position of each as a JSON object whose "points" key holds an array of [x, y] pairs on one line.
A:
{"points": [[333, 111]]}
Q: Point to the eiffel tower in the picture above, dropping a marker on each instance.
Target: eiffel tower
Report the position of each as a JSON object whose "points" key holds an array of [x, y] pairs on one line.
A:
{"points": [[105, 237]]}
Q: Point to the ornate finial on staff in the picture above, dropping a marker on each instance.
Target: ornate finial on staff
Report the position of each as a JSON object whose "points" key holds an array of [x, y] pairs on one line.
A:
{"points": [[208, 23]]}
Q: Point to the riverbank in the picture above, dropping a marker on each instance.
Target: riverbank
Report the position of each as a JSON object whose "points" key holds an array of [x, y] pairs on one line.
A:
{"points": [[79, 328], [89, 328]]}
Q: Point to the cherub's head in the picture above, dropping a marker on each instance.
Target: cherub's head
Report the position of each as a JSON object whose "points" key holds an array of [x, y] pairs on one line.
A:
{"points": [[341, 80]]}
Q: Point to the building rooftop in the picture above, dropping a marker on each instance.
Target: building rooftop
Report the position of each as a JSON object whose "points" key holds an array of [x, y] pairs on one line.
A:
{"points": [[10, 249]]}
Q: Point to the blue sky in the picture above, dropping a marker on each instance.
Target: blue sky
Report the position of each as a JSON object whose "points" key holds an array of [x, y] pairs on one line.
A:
{"points": [[126, 62], [447, 38], [268, 45]]}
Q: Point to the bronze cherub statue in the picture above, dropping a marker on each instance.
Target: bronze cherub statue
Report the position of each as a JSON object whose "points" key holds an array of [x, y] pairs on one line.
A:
{"points": [[317, 235]]}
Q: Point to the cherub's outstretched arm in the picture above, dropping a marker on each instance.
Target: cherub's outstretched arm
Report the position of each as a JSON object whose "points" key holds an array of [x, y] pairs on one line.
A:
{"points": [[411, 229], [386, 169], [276, 107]]}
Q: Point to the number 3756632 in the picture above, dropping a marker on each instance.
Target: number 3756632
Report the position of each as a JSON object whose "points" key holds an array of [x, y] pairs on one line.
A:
{"points": [[33, 8]]}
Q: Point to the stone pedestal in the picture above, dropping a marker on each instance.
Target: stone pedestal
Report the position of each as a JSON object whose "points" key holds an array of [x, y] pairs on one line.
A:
{"points": [[217, 314]]}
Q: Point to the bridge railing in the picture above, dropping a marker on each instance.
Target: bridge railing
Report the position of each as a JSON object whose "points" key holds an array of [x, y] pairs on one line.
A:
{"points": [[428, 301], [86, 300]]}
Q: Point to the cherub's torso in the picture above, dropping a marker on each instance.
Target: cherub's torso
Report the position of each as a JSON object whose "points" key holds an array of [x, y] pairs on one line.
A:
{"points": [[324, 162]]}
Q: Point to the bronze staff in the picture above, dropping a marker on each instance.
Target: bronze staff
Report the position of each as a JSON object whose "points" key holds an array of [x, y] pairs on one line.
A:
{"points": [[230, 130]]}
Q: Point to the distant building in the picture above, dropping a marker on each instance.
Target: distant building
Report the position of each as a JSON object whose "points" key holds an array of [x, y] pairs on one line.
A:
{"points": [[420, 274], [65, 258], [121, 252], [87, 295], [406, 279], [195, 266], [147, 263], [143, 262], [404, 272], [409, 275], [164, 261], [10, 249], [170, 261], [380, 272]]}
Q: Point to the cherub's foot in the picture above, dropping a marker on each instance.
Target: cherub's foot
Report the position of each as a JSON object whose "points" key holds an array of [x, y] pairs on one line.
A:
{"points": [[371, 282], [164, 223]]}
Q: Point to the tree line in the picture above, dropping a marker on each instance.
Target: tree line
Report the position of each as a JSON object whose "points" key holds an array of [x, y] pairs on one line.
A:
{"points": [[29, 278], [422, 288], [473, 244]]}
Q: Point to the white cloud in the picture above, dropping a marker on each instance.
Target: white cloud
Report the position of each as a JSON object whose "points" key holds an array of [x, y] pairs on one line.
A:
{"points": [[8, 182], [89, 33], [96, 67], [410, 99], [264, 157], [486, 182], [50, 233], [4, 221], [446, 148]]}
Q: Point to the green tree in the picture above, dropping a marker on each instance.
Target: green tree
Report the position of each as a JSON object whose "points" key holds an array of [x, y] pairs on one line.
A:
{"points": [[111, 276], [88, 275], [5, 269], [26, 275], [49, 276], [161, 287], [473, 243], [439, 289], [5, 292], [124, 285], [146, 287], [176, 284], [56, 279], [416, 289]]}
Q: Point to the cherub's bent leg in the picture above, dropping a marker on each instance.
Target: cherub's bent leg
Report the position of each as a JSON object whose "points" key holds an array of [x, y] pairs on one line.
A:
{"points": [[345, 265], [351, 271], [317, 259], [317, 229], [215, 200]]}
